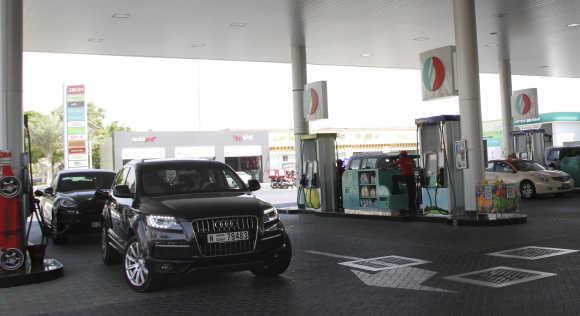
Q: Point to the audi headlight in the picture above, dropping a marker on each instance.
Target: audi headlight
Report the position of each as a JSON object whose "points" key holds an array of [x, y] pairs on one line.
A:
{"points": [[163, 222], [68, 203], [270, 215]]}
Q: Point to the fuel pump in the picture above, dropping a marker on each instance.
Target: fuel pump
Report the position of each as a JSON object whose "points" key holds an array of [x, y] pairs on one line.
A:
{"points": [[318, 184], [442, 182], [12, 256], [529, 144]]}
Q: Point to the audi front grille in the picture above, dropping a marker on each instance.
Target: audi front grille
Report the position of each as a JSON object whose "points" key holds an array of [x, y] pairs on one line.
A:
{"points": [[215, 225]]}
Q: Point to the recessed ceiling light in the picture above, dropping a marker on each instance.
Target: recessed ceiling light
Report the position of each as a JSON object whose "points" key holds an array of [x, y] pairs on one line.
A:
{"points": [[421, 38], [197, 44], [119, 15], [366, 54], [96, 40], [238, 24], [574, 25]]}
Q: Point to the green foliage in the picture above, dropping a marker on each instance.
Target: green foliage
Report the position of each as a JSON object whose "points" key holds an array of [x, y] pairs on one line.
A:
{"points": [[47, 134], [98, 131]]}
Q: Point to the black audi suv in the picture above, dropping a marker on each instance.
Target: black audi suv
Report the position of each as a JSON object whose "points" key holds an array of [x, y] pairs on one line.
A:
{"points": [[168, 217], [69, 204]]}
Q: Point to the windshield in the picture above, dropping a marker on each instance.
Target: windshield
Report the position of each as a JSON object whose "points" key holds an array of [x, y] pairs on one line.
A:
{"points": [[523, 165], [85, 181], [168, 179]]}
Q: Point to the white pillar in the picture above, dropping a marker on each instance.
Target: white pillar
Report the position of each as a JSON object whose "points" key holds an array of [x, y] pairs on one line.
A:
{"points": [[505, 85], [469, 97], [11, 116], [298, 57]]}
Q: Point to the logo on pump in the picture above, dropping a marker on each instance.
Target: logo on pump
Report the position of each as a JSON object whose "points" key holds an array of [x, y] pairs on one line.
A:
{"points": [[433, 73], [523, 104]]}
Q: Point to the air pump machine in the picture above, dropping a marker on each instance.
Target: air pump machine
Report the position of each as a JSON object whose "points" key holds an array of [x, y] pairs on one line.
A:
{"points": [[318, 186], [442, 182]]}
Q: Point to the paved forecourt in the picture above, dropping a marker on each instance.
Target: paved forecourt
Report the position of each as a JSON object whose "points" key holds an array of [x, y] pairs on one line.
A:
{"points": [[346, 266]]}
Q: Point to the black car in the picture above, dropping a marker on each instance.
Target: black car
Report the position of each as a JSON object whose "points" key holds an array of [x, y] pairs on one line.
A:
{"points": [[69, 203], [178, 216]]}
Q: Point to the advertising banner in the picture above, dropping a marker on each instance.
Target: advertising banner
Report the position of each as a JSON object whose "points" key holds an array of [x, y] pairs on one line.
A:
{"points": [[315, 101], [525, 105], [75, 130], [438, 73]]}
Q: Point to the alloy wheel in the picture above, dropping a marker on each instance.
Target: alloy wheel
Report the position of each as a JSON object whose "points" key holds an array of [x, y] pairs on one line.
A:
{"points": [[527, 190], [135, 269]]}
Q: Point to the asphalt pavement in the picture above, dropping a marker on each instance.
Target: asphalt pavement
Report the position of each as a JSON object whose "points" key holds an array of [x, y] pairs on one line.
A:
{"points": [[415, 268]]}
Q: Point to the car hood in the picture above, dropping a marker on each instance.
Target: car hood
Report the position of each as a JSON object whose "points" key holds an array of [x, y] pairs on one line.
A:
{"points": [[204, 205], [549, 173], [79, 196]]}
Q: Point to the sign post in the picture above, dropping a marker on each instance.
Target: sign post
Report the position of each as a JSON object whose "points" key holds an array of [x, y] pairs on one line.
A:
{"points": [[315, 101], [525, 105], [76, 153], [438, 73]]}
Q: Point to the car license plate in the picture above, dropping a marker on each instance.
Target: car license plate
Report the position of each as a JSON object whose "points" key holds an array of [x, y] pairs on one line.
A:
{"points": [[96, 224], [227, 237]]}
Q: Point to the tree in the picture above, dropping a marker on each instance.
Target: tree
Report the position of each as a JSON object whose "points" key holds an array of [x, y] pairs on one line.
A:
{"points": [[47, 135], [98, 131], [47, 140]]}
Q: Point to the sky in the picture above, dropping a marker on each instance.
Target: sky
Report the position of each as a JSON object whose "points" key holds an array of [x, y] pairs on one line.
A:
{"points": [[161, 94]]}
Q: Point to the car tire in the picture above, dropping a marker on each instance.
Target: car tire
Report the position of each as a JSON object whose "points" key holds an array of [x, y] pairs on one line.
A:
{"points": [[527, 189], [108, 254], [136, 271], [59, 236], [278, 264]]}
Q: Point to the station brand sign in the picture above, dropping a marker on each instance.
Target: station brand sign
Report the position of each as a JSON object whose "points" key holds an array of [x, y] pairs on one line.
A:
{"points": [[77, 147], [315, 101], [438, 73], [144, 139], [525, 105], [243, 138]]}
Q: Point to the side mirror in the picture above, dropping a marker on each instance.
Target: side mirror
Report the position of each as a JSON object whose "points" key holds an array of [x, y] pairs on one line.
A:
{"points": [[38, 193], [122, 191], [48, 191], [102, 195], [253, 185]]}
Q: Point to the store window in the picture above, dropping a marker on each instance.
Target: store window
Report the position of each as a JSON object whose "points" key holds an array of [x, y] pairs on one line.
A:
{"points": [[355, 165]]}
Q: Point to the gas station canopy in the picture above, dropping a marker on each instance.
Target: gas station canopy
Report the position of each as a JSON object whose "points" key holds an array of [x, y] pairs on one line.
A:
{"points": [[543, 35]]}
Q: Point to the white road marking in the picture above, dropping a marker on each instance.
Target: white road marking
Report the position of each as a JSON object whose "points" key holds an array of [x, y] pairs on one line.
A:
{"points": [[382, 263], [506, 253], [464, 277], [407, 278], [332, 255]]}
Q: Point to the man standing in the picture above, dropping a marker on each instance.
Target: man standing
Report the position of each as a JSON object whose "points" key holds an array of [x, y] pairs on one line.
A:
{"points": [[407, 169]]}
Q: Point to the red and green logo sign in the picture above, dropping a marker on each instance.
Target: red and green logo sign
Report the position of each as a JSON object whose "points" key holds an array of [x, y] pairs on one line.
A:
{"points": [[523, 104], [313, 101], [433, 73]]}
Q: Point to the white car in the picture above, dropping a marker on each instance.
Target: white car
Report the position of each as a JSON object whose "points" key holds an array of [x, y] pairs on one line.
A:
{"points": [[532, 177]]}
